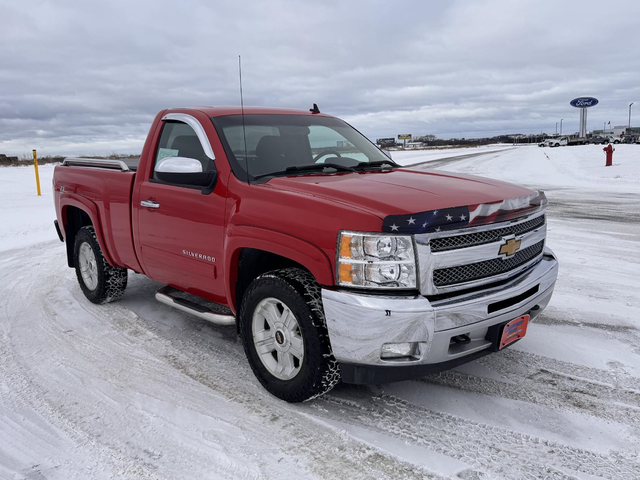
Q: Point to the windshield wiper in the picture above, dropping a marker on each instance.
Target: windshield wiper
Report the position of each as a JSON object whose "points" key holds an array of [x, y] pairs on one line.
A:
{"points": [[308, 168], [379, 163], [319, 166]]}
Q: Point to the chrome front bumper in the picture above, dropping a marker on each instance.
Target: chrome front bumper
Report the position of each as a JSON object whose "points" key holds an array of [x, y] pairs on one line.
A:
{"points": [[360, 324]]}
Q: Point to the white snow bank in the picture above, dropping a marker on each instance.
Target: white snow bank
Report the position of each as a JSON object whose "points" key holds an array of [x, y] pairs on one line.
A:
{"points": [[575, 166], [25, 218]]}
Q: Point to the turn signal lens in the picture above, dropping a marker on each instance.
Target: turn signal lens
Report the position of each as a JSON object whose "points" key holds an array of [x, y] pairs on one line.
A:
{"points": [[345, 246], [346, 273]]}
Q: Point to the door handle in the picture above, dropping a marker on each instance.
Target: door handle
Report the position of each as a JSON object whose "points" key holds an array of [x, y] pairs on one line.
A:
{"points": [[149, 204]]}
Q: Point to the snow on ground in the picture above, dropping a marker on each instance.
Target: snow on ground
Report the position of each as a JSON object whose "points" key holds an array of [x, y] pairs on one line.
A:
{"points": [[25, 218], [135, 389], [577, 166]]}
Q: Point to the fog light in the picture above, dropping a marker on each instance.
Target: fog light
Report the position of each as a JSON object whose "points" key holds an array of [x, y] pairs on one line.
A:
{"points": [[399, 350]]}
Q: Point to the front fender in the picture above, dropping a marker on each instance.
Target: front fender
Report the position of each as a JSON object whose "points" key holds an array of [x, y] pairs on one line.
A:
{"points": [[300, 251]]}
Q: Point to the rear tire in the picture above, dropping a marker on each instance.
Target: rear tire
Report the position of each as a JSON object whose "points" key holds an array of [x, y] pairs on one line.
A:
{"points": [[99, 281], [285, 337]]}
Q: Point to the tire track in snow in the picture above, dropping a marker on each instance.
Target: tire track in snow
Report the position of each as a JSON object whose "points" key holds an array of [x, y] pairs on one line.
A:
{"points": [[531, 378], [511, 363], [47, 428], [502, 452], [111, 347], [335, 456], [551, 389], [56, 406]]}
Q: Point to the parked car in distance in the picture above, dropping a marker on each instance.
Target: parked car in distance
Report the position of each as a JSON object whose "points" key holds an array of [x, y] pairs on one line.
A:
{"points": [[557, 142]]}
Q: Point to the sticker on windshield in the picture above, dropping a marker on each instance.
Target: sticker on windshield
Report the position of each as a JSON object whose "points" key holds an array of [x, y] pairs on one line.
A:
{"points": [[166, 152]]}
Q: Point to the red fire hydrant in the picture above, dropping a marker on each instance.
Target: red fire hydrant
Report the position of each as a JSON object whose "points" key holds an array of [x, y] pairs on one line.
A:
{"points": [[609, 151]]}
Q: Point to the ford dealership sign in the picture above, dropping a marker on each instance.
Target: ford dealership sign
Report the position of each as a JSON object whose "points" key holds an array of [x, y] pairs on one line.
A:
{"points": [[583, 102]]}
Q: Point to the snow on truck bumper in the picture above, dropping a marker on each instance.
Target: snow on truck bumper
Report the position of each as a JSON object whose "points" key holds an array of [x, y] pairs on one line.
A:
{"points": [[366, 330]]}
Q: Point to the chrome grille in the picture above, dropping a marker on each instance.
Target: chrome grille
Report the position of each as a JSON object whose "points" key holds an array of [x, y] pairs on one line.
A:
{"points": [[488, 236], [474, 271]]}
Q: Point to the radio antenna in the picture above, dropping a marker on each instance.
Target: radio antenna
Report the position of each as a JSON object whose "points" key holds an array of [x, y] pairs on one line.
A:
{"points": [[244, 130]]}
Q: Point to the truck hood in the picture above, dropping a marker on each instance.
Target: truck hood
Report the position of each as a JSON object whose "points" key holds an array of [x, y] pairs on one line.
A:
{"points": [[400, 191]]}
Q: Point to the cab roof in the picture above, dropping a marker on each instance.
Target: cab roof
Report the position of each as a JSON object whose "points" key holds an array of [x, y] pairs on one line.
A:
{"points": [[223, 111]]}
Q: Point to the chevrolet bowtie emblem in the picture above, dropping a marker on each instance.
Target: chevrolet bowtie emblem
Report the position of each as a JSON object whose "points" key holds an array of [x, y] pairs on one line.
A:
{"points": [[510, 247]]}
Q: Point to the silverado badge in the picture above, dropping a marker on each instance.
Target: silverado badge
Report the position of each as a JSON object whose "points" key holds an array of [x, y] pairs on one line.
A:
{"points": [[509, 247]]}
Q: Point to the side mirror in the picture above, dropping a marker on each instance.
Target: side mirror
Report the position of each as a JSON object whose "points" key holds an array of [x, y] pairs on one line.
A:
{"points": [[178, 165], [185, 172], [387, 153]]}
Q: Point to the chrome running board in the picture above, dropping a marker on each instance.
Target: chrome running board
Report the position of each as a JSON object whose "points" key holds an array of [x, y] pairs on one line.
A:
{"points": [[165, 295]]}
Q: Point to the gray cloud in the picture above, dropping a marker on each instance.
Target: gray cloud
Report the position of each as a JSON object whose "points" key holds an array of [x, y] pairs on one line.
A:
{"points": [[88, 77]]}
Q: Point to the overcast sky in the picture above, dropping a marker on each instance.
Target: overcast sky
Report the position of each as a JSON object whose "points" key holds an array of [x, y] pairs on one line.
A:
{"points": [[88, 76]]}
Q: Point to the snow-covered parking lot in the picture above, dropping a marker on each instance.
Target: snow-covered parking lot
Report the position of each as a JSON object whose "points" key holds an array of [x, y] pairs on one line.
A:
{"points": [[134, 389]]}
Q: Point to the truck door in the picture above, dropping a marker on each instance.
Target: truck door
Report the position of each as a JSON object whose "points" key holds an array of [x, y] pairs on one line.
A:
{"points": [[180, 218]]}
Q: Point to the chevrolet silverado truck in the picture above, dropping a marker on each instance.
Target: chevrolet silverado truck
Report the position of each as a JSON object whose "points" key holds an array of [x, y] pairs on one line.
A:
{"points": [[332, 262]]}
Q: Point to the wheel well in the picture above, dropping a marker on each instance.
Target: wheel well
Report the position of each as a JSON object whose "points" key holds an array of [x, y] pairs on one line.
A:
{"points": [[252, 263], [75, 220]]}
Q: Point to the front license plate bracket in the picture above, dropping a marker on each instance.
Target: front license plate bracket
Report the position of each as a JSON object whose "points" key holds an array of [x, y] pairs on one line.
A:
{"points": [[504, 334]]}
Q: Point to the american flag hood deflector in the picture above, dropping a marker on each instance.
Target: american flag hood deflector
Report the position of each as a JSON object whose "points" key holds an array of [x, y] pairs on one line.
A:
{"points": [[465, 216]]}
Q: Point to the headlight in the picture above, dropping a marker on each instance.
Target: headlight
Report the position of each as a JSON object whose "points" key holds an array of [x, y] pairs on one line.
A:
{"points": [[383, 261]]}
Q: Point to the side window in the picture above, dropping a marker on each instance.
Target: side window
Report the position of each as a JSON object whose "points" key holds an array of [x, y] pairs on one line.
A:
{"points": [[179, 140]]}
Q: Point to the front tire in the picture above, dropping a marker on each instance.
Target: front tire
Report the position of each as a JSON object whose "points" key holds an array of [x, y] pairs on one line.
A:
{"points": [[99, 281], [285, 338]]}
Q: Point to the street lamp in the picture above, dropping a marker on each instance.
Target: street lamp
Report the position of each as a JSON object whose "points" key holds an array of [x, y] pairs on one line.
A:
{"points": [[630, 114], [556, 128], [561, 125]]}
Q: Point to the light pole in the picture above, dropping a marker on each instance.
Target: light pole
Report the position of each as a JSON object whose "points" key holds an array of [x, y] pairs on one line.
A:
{"points": [[561, 125], [630, 114], [556, 128]]}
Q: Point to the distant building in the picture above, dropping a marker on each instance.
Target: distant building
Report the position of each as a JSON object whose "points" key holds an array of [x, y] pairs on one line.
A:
{"points": [[619, 130], [615, 131]]}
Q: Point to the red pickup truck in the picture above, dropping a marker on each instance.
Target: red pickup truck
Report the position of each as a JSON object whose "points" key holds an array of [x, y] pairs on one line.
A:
{"points": [[333, 262]]}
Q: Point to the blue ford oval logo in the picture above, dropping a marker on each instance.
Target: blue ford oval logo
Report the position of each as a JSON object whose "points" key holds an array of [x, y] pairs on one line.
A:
{"points": [[583, 102]]}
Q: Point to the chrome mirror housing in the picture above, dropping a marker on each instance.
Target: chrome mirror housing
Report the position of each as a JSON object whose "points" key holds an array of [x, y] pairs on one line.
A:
{"points": [[178, 165]]}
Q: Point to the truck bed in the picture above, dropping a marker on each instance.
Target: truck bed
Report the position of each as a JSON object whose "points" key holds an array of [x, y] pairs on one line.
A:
{"points": [[103, 188]]}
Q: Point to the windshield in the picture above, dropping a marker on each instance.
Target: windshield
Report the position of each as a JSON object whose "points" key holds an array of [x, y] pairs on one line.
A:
{"points": [[276, 143]]}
